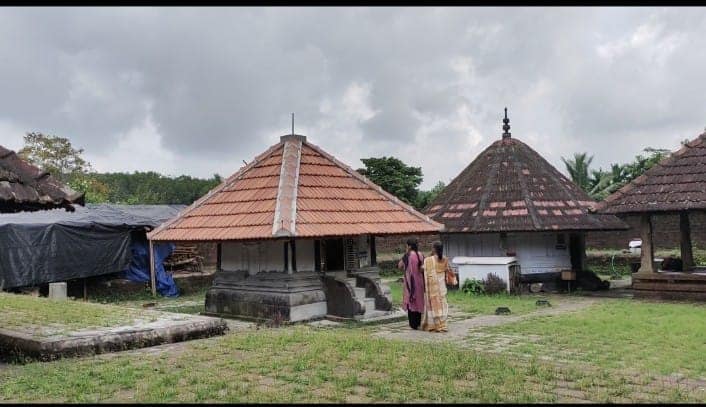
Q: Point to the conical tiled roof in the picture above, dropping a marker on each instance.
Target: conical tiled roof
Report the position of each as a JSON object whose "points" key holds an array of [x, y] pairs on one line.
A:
{"points": [[294, 189], [24, 187], [509, 187], [678, 182]]}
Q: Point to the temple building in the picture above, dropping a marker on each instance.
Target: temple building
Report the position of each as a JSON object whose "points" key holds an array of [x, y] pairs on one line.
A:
{"points": [[510, 202], [295, 230], [675, 185]]}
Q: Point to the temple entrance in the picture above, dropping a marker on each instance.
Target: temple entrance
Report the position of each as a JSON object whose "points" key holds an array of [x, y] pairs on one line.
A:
{"points": [[333, 254]]}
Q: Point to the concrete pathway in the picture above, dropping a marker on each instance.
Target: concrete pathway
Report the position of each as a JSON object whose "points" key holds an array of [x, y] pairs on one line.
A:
{"points": [[460, 324]]}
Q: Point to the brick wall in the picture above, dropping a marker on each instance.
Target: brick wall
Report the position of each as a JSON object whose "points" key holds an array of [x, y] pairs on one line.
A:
{"points": [[666, 232]]}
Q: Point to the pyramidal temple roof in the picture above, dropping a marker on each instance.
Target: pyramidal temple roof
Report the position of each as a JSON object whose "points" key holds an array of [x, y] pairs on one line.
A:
{"points": [[509, 187], [294, 189], [677, 182], [24, 187]]}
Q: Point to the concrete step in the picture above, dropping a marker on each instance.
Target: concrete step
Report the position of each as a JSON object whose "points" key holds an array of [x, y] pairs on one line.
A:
{"points": [[359, 292], [369, 305]]}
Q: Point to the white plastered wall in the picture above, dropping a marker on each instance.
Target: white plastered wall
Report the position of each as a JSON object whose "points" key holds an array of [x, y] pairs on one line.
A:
{"points": [[536, 252]]}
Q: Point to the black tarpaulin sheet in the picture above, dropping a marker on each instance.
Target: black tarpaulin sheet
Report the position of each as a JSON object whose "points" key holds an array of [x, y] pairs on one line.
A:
{"points": [[56, 245]]}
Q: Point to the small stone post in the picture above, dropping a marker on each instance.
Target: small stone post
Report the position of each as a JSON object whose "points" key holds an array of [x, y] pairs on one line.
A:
{"points": [[57, 291]]}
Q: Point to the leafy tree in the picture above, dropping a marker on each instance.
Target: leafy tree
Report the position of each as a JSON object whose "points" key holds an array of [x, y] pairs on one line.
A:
{"points": [[424, 198], [55, 155], [394, 176]]}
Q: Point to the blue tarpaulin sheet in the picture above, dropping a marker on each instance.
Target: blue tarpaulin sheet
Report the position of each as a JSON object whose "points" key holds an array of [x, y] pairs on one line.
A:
{"points": [[139, 268]]}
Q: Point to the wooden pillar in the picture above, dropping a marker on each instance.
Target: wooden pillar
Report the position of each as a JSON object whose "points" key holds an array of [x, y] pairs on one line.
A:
{"points": [[647, 250], [687, 256], [286, 257], [219, 256], [373, 252], [153, 276]]}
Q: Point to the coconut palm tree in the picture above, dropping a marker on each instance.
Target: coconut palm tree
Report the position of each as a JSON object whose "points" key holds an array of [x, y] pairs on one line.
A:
{"points": [[577, 168]]}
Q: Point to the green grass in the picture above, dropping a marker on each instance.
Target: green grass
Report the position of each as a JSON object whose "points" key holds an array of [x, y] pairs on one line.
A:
{"points": [[23, 311], [183, 304], [478, 304], [662, 338], [298, 364]]}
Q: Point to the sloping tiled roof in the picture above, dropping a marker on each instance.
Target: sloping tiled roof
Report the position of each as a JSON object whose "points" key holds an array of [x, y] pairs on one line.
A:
{"points": [[509, 187], [24, 187], [678, 182], [294, 189]]}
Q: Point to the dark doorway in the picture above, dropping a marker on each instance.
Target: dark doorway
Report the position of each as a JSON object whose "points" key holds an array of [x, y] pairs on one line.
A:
{"points": [[576, 249], [333, 254]]}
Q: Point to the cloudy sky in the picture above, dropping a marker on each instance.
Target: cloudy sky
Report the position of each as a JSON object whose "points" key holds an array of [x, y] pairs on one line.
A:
{"points": [[197, 91]]}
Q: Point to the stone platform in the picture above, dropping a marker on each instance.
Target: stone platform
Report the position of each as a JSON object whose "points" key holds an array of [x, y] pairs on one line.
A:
{"points": [[155, 329]]}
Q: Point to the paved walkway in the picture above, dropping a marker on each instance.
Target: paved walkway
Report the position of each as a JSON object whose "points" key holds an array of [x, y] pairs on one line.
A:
{"points": [[459, 323]]}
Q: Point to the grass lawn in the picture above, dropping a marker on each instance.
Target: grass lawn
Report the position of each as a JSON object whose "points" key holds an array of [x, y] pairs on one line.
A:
{"points": [[191, 303], [478, 304], [651, 337], [297, 364], [20, 312]]}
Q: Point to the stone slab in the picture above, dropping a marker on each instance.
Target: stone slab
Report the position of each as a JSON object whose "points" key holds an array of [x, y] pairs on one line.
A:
{"points": [[110, 339]]}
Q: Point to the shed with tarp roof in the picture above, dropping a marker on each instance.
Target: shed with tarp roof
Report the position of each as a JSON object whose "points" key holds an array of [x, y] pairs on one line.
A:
{"points": [[24, 187], [675, 185], [296, 236], [511, 202]]}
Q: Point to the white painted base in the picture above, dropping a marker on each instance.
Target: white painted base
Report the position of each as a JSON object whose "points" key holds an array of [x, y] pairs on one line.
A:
{"points": [[308, 311]]}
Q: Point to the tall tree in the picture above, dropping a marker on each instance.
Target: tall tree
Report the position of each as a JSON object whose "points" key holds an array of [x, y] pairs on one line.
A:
{"points": [[55, 155], [394, 176], [577, 168]]}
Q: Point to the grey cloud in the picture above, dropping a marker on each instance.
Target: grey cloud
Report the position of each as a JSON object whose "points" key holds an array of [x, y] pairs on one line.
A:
{"points": [[218, 83]]}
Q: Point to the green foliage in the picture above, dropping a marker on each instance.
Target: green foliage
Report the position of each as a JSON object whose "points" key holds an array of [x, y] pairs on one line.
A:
{"points": [[393, 176], [473, 287], [577, 168], [599, 184], [153, 188], [424, 198], [399, 179], [55, 155]]}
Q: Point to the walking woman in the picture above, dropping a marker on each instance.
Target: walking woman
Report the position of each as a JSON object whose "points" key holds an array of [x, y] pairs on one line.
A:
{"points": [[436, 308], [413, 281]]}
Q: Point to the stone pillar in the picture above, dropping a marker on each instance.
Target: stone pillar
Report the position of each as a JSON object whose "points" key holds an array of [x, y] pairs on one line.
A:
{"points": [[647, 250], [687, 256]]}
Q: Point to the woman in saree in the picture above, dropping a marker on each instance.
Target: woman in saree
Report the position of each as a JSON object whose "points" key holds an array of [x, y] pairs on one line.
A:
{"points": [[436, 308], [413, 284]]}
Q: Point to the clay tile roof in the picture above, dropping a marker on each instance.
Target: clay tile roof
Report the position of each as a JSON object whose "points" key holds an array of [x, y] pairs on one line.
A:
{"points": [[677, 182], [24, 187], [294, 189], [509, 187]]}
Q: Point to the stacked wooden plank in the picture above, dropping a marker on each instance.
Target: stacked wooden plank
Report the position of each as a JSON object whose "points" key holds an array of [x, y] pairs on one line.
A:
{"points": [[185, 257]]}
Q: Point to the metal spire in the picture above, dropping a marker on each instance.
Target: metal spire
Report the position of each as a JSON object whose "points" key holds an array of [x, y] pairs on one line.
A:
{"points": [[506, 126]]}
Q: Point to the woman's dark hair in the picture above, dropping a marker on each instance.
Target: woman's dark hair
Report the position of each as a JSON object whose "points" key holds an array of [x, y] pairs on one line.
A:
{"points": [[412, 243], [439, 249]]}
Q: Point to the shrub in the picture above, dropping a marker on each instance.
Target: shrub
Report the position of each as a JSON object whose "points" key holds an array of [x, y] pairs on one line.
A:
{"points": [[494, 284], [472, 287]]}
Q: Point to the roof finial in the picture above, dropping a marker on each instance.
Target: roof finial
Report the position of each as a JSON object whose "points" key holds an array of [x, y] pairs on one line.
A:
{"points": [[506, 126], [292, 124]]}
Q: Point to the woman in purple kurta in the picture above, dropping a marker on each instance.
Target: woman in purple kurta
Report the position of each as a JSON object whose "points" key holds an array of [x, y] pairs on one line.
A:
{"points": [[413, 284]]}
